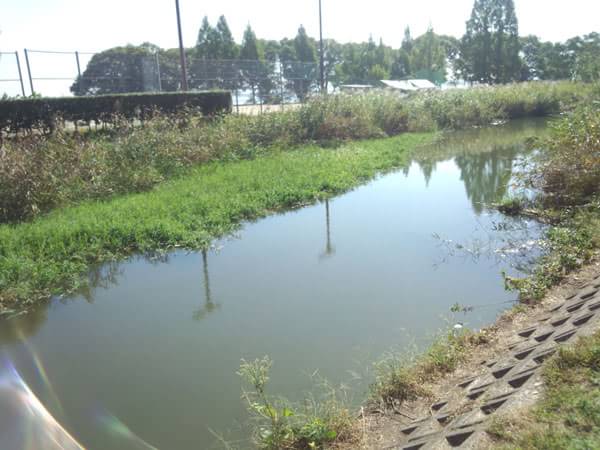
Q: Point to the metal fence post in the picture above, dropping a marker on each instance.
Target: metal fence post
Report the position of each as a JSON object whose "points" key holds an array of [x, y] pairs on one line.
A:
{"points": [[158, 72], [29, 71], [281, 85], [20, 73], [78, 65]]}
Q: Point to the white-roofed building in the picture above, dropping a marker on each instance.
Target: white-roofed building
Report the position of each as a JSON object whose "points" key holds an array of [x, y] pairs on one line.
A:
{"points": [[409, 85]]}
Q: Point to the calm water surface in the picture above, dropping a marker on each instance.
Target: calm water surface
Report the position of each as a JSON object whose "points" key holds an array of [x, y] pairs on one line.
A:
{"points": [[150, 353]]}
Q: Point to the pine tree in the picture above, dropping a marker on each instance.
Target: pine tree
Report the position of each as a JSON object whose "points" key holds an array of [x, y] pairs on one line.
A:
{"points": [[407, 42], [209, 41], [305, 50], [227, 46], [249, 49], [305, 74], [249, 54]]}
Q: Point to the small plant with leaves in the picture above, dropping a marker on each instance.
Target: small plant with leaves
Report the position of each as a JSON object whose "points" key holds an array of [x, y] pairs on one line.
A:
{"points": [[279, 425]]}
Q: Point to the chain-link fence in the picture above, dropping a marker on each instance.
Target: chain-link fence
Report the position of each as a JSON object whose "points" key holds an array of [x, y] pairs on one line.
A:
{"points": [[256, 84], [11, 75]]}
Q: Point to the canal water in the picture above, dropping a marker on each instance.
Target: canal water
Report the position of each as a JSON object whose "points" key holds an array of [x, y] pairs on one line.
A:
{"points": [[148, 356]]}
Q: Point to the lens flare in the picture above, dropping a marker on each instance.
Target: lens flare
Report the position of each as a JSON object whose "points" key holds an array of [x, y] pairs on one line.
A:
{"points": [[119, 430], [51, 397], [25, 424]]}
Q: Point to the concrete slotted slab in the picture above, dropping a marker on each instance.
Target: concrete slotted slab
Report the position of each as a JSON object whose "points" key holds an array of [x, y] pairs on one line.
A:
{"points": [[456, 420]]}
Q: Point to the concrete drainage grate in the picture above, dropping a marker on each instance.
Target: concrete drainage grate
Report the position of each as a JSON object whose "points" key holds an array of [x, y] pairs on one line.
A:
{"points": [[458, 438], [487, 393], [439, 405]]}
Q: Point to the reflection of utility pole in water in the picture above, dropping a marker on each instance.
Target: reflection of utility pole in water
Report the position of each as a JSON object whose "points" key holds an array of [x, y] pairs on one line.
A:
{"points": [[329, 249], [209, 306]]}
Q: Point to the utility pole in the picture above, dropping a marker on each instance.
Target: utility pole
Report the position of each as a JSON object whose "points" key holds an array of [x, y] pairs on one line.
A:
{"points": [[322, 63], [184, 83]]}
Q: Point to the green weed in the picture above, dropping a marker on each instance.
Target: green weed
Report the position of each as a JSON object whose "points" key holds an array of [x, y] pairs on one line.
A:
{"points": [[281, 425], [400, 377]]}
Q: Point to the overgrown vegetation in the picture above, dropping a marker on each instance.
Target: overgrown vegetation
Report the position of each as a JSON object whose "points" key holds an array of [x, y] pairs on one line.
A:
{"points": [[567, 177], [571, 244], [281, 425], [38, 173], [400, 377], [568, 417], [52, 254]]}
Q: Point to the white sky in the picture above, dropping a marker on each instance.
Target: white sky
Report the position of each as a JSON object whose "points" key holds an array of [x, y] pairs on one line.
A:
{"points": [[96, 25], [86, 25]]}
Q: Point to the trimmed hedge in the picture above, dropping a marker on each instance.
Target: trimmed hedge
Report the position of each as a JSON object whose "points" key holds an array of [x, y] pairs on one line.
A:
{"points": [[44, 113]]}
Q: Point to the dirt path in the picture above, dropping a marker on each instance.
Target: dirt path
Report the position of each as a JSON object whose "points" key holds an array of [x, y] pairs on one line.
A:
{"points": [[498, 379]]}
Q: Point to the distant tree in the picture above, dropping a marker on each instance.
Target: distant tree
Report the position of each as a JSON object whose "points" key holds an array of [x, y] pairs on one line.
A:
{"points": [[208, 42], [429, 57], [407, 42], [227, 48], [577, 58], [271, 49], [119, 70], [300, 70], [369, 55], [347, 71], [587, 57], [490, 47], [401, 67], [559, 61], [377, 73], [305, 49], [170, 69], [332, 58], [533, 65], [250, 56], [212, 62], [249, 49]]}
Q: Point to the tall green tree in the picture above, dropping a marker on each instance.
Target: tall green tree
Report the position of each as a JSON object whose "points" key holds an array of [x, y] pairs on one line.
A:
{"points": [[490, 47], [250, 56], [301, 71], [305, 49], [407, 42], [207, 44], [401, 67], [428, 57], [227, 48]]}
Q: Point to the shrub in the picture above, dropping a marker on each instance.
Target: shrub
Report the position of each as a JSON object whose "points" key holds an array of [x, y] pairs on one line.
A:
{"points": [[569, 172], [43, 113]]}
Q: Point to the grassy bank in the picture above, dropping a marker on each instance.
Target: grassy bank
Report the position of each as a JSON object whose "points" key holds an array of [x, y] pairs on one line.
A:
{"points": [[51, 254], [568, 416], [41, 173], [567, 178]]}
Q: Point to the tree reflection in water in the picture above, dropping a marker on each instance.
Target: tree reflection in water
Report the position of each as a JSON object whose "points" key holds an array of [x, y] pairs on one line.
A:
{"points": [[329, 248], [209, 306]]}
